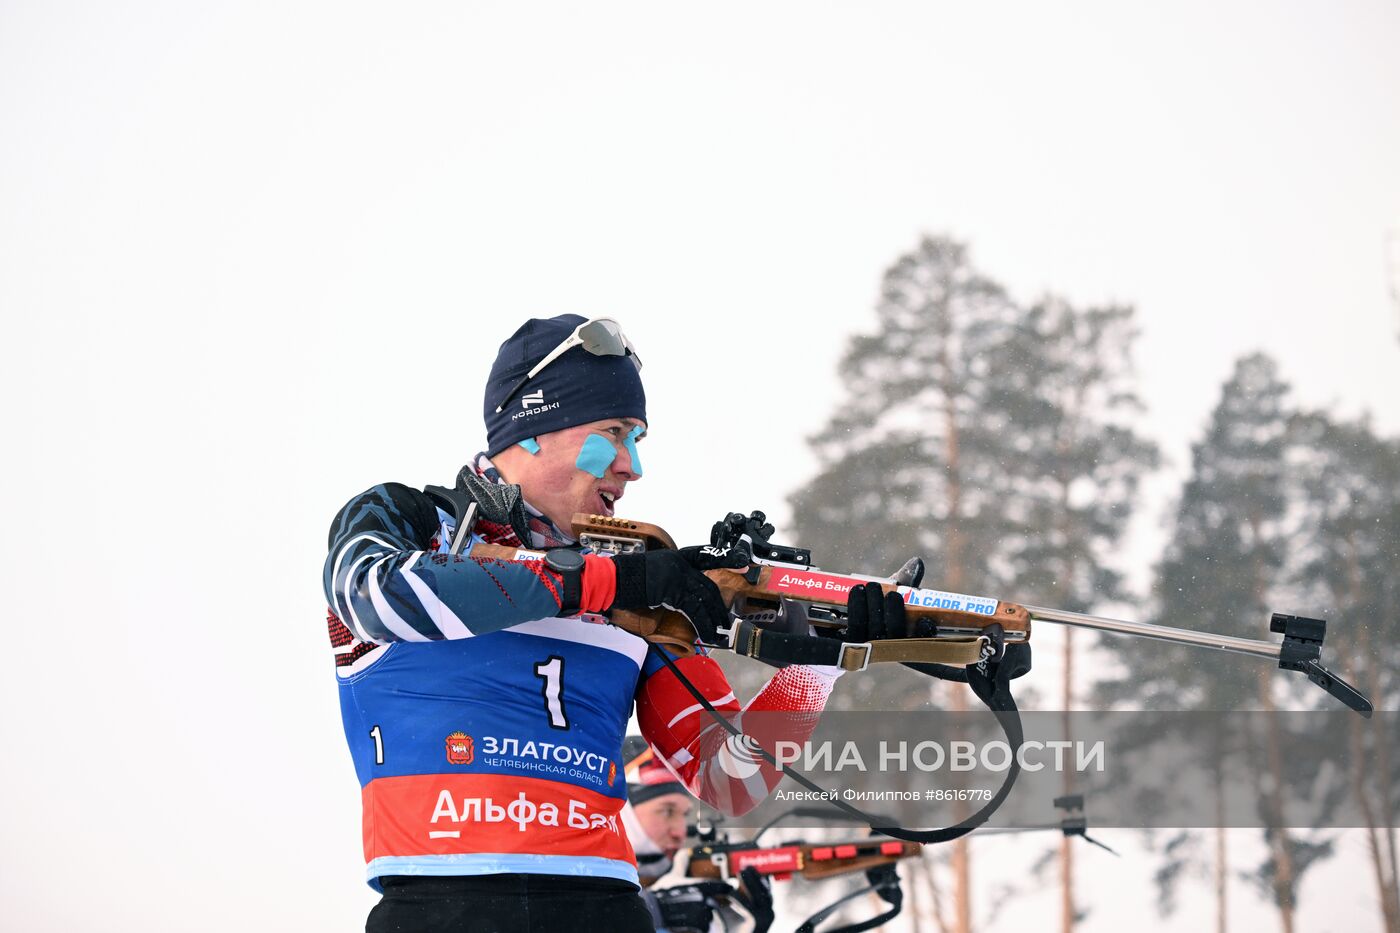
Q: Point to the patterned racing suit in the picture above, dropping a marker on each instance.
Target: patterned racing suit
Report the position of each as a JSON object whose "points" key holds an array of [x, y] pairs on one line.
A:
{"points": [[486, 730]]}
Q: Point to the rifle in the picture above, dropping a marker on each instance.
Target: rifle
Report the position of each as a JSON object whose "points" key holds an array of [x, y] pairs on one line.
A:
{"points": [[718, 859], [980, 640], [778, 573], [814, 862], [968, 627]]}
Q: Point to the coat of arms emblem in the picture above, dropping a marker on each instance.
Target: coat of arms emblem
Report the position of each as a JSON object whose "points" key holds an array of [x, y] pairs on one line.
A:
{"points": [[459, 749]]}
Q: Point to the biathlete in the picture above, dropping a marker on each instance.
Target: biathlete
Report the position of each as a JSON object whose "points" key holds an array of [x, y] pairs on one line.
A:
{"points": [[485, 702]]}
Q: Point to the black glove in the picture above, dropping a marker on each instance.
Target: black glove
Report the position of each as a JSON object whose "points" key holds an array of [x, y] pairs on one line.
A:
{"points": [[673, 579], [873, 614], [756, 894], [885, 880], [690, 907]]}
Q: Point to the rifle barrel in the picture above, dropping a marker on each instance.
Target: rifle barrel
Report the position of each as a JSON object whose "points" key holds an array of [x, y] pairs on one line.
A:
{"points": [[1256, 647]]}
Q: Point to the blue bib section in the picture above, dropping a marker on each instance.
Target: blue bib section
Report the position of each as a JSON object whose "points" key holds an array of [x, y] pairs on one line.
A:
{"points": [[494, 690]]}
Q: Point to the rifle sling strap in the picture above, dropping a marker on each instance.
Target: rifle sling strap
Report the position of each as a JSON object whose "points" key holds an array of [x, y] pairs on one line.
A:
{"points": [[887, 887], [783, 648]]}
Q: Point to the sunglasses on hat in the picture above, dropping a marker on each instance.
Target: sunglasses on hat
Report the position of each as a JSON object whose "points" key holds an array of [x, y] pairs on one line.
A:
{"points": [[601, 336]]}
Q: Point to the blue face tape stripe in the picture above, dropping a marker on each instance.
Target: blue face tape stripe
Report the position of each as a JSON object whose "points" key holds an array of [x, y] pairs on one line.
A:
{"points": [[631, 444], [596, 455], [531, 445]]}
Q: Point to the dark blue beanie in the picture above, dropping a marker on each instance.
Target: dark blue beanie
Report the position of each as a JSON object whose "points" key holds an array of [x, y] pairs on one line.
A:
{"points": [[575, 389]]}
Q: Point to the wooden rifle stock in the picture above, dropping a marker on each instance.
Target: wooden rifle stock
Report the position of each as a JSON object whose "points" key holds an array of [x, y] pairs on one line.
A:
{"points": [[762, 588]]}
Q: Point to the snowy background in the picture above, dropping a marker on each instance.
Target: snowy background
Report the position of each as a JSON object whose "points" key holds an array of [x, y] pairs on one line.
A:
{"points": [[256, 257]]}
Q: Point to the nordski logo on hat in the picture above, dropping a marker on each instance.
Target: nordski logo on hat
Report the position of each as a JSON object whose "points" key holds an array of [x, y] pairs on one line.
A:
{"points": [[533, 404]]}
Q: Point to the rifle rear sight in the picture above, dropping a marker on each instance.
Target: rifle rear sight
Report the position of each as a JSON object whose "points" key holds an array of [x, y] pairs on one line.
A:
{"points": [[736, 527]]}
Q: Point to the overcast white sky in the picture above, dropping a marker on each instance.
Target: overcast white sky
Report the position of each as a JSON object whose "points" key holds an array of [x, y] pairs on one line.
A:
{"points": [[257, 257]]}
